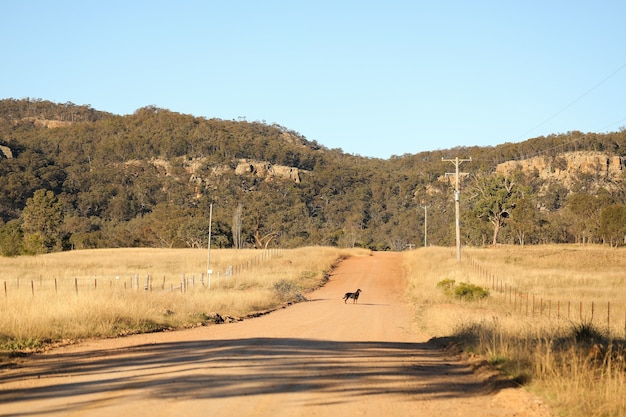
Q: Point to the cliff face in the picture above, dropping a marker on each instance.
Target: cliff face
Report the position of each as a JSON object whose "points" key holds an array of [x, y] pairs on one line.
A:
{"points": [[567, 168], [264, 169]]}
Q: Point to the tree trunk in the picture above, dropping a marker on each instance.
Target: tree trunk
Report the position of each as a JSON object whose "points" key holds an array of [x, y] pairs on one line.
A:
{"points": [[496, 230]]}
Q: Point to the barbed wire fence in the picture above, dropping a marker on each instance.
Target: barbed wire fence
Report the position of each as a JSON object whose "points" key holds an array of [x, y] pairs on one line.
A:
{"points": [[607, 315], [135, 282]]}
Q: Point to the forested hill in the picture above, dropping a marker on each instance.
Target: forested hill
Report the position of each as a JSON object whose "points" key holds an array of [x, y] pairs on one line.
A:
{"points": [[75, 177]]}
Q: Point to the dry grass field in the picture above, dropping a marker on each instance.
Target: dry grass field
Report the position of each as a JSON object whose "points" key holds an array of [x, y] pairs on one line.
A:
{"points": [[554, 320], [104, 293]]}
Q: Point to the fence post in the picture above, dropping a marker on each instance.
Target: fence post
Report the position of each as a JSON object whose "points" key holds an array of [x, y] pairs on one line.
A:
{"points": [[549, 308], [592, 311], [32, 287], [76, 285], [580, 311], [526, 302], [6, 295]]}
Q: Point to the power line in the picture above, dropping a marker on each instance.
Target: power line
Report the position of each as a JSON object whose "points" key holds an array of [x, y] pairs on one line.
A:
{"points": [[576, 100]]}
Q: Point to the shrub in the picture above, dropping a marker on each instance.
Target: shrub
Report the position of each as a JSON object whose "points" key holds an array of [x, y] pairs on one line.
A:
{"points": [[447, 286], [470, 292], [288, 291], [463, 290]]}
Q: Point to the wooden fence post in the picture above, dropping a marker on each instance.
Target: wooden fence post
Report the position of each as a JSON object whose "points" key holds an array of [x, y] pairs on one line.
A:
{"points": [[592, 311], [526, 302], [549, 308], [580, 311], [76, 285]]}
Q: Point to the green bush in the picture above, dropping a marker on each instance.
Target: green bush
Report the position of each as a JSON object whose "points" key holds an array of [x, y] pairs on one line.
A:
{"points": [[470, 292], [462, 290], [447, 286]]}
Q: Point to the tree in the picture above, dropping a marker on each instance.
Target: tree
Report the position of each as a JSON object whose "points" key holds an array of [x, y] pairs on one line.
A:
{"points": [[42, 219], [494, 196], [613, 224], [585, 211], [11, 238], [523, 220], [236, 229]]}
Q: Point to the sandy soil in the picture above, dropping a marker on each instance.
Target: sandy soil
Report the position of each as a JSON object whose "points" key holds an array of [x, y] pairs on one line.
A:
{"points": [[323, 357]]}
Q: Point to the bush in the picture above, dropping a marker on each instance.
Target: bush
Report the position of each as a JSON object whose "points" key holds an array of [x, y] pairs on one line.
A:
{"points": [[463, 290], [288, 291], [470, 292], [447, 286]]}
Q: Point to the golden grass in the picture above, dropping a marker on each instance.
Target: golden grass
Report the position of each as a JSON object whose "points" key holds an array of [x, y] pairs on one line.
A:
{"points": [[577, 364], [102, 293]]}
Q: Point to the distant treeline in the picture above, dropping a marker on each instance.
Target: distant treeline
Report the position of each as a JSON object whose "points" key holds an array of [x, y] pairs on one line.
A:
{"points": [[149, 179]]}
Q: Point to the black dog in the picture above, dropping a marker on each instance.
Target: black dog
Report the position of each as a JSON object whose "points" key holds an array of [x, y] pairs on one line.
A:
{"points": [[353, 295]]}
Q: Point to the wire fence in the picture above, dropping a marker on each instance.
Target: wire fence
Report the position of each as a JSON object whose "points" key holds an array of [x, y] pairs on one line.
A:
{"points": [[604, 314], [183, 282]]}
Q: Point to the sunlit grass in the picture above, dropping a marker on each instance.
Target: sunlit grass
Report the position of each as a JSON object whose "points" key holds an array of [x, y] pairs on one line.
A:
{"points": [[103, 293], [575, 361]]}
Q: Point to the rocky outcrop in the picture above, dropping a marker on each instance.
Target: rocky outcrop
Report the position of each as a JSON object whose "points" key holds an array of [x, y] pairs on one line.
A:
{"points": [[5, 152], [601, 170], [50, 124], [565, 167], [266, 170]]}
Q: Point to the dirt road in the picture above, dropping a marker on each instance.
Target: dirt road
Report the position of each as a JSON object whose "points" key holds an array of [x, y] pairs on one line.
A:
{"points": [[318, 358]]}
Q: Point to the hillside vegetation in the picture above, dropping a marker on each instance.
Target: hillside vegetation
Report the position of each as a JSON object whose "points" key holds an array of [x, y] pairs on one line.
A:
{"points": [[72, 177]]}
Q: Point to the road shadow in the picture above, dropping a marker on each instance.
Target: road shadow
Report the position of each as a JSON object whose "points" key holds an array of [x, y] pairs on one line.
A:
{"points": [[251, 366]]}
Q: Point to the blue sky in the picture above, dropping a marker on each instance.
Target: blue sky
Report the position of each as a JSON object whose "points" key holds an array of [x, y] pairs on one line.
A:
{"points": [[371, 78]]}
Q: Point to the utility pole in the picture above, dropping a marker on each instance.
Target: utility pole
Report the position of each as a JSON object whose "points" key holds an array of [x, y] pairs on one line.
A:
{"points": [[456, 161], [209, 271], [425, 223]]}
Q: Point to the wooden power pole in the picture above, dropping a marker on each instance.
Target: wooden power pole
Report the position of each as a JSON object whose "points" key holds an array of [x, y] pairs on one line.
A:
{"points": [[456, 161], [425, 224]]}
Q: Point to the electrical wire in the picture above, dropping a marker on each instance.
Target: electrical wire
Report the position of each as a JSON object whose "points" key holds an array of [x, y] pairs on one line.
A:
{"points": [[576, 100]]}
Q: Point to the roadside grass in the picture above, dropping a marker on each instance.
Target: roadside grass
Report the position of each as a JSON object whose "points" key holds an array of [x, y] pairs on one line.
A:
{"points": [[63, 297], [577, 363]]}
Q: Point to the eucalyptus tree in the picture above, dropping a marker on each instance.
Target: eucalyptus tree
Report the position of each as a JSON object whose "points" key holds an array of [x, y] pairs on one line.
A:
{"points": [[493, 199]]}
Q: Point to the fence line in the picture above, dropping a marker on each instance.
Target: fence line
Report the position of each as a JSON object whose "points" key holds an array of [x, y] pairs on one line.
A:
{"points": [[94, 283], [534, 305]]}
